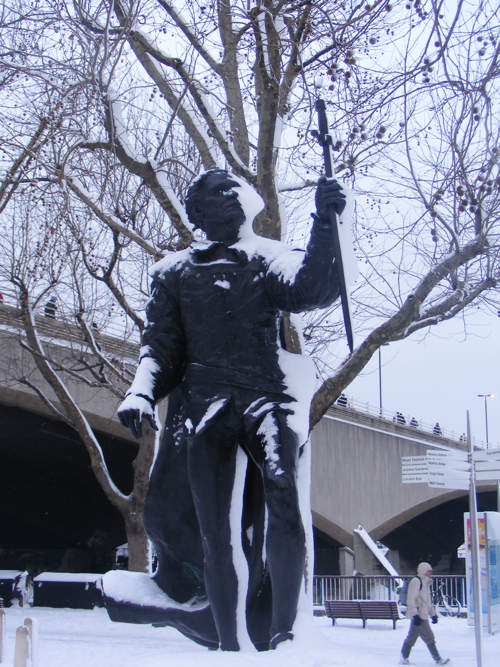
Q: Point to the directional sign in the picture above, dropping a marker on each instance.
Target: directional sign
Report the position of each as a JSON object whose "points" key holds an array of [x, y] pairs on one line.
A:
{"points": [[493, 456], [446, 454], [411, 460], [415, 479], [487, 465], [449, 484], [414, 469], [448, 474], [408, 470], [448, 464], [490, 474]]}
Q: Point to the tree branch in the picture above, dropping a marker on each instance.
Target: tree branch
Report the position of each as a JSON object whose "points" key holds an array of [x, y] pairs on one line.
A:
{"points": [[110, 220], [404, 322], [79, 422]]}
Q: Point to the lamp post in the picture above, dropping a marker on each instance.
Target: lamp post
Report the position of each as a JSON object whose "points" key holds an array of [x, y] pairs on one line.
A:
{"points": [[485, 396]]}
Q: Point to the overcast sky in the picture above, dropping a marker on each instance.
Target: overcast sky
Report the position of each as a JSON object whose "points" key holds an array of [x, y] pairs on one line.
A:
{"points": [[440, 377]]}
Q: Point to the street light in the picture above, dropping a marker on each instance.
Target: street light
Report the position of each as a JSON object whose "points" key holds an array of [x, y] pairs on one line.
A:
{"points": [[485, 396]]}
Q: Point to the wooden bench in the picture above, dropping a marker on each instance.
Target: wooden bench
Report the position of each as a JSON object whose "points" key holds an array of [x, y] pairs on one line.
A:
{"points": [[363, 609]]}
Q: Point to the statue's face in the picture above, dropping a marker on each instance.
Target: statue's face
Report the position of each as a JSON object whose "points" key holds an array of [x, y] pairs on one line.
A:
{"points": [[219, 210]]}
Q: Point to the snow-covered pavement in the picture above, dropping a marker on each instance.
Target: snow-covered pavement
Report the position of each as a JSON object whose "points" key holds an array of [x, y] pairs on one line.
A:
{"points": [[81, 638]]}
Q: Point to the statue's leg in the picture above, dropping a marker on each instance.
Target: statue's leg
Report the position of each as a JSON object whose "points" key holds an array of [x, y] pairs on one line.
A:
{"points": [[169, 514], [171, 524], [259, 594], [274, 447], [211, 468]]}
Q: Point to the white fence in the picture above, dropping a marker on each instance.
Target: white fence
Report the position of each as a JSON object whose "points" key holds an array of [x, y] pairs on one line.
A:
{"points": [[345, 587]]}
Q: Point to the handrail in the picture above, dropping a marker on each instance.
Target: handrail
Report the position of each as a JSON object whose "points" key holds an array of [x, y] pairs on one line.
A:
{"points": [[124, 345], [350, 406], [379, 587]]}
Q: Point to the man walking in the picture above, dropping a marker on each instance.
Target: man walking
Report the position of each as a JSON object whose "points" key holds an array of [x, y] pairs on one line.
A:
{"points": [[419, 609]]}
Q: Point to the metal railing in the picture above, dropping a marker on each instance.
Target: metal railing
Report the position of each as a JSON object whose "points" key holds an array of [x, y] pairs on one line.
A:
{"points": [[119, 328], [350, 405], [120, 344], [345, 587]]}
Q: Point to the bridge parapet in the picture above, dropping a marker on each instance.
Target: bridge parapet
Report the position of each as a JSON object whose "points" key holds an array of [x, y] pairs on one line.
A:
{"points": [[389, 425], [10, 316], [65, 343]]}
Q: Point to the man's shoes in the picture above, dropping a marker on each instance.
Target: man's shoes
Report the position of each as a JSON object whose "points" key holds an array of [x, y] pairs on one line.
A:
{"points": [[404, 661], [442, 661], [280, 637]]}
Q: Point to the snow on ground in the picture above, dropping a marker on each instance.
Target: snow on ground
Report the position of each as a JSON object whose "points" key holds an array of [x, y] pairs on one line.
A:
{"points": [[81, 638]]}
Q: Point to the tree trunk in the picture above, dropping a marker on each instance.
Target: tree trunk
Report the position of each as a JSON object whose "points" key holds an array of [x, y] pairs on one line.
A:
{"points": [[138, 543]]}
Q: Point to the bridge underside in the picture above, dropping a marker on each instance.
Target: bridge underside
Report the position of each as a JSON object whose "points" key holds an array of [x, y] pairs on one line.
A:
{"points": [[53, 513]]}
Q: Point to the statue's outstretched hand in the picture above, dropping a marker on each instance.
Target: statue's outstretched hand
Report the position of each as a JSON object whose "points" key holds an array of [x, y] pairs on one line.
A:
{"points": [[329, 193], [133, 410]]}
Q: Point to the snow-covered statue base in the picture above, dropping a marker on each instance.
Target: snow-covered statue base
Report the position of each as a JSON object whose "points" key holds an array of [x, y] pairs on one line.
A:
{"points": [[228, 502]]}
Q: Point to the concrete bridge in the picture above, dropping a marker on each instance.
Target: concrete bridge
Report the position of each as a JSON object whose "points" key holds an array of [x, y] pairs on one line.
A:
{"points": [[356, 470], [356, 479]]}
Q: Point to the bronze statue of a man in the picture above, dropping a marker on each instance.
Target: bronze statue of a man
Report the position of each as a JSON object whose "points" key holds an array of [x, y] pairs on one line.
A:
{"points": [[213, 342]]}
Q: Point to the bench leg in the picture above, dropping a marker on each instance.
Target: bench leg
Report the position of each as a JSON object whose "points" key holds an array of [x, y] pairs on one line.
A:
{"points": [[333, 621], [364, 623]]}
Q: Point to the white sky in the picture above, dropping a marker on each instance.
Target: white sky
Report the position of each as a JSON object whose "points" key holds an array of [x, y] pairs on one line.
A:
{"points": [[440, 377]]}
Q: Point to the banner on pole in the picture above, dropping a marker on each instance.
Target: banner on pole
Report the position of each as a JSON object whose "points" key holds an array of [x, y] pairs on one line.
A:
{"points": [[471, 612]]}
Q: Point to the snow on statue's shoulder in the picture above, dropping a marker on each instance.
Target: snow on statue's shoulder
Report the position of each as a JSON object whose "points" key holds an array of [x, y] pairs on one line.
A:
{"points": [[281, 258], [172, 260], [259, 246]]}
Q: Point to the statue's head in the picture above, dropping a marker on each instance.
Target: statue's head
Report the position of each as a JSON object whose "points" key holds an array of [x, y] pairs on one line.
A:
{"points": [[222, 205]]}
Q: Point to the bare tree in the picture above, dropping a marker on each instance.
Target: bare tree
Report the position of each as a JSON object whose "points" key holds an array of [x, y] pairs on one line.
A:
{"points": [[113, 107]]}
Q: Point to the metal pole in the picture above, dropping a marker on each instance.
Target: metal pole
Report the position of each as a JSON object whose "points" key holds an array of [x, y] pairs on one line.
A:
{"points": [[476, 569], [380, 379], [325, 139], [486, 396], [486, 422]]}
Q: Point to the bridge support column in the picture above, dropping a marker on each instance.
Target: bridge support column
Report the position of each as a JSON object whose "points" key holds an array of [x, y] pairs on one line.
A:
{"points": [[346, 561]]}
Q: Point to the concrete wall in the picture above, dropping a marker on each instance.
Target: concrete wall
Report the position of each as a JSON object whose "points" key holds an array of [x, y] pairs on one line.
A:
{"points": [[356, 475], [64, 343]]}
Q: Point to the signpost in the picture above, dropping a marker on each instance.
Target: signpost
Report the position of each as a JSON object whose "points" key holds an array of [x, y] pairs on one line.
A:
{"points": [[455, 469], [476, 567]]}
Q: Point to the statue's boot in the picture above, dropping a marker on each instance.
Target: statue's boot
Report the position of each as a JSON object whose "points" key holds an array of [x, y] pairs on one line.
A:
{"points": [[134, 597]]}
